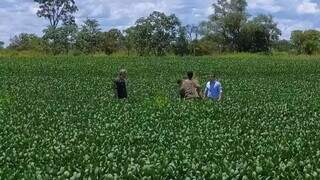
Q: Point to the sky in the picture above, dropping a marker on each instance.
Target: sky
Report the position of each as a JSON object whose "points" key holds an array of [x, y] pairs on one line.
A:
{"points": [[19, 16]]}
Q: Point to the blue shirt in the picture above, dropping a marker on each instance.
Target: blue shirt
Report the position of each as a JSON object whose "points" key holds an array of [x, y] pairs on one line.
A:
{"points": [[213, 89]]}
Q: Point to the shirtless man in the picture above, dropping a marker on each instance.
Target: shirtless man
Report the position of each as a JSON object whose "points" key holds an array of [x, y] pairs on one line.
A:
{"points": [[190, 88]]}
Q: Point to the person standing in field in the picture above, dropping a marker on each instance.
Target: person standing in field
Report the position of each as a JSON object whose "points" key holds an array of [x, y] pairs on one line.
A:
{"points": [[190, 88], [180, 90], [120, 85], [213, 89]]}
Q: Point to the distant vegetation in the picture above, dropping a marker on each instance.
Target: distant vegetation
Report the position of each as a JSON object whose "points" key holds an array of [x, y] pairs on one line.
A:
{"points": [[229, 29]]}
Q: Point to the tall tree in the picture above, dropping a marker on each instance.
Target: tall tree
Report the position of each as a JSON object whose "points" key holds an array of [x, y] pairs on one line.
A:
{"points": [[57, 10], [311, 42], [181, 46], [129, 39], [165, 29], [61, 39], [227, 20], [259, 34], [307, 42], [113, 40], [272, 32], [141, 35], [89, 39], [193, 33], [155, 33], [297, 40]]}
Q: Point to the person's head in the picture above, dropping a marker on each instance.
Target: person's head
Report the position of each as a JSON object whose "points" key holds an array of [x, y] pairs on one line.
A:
{"points": [[212, 77], [123, 74], [190, 75]]}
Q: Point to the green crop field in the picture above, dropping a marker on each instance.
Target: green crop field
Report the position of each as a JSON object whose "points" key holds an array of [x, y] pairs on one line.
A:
{"points": [[58, 119]]}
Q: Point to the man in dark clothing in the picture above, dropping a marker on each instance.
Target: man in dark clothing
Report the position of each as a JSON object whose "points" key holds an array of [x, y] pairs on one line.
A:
{"points": [[120, 85], [180, 90]]}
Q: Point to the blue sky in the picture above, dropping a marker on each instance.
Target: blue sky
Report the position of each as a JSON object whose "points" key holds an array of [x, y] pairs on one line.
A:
{"points": [[19, 16]]}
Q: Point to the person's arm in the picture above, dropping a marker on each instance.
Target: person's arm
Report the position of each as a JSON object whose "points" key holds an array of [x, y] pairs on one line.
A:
{"points": [[198, 88], [182, 93], [220, 94], [127, 87], [206, 92], [114, 87]]}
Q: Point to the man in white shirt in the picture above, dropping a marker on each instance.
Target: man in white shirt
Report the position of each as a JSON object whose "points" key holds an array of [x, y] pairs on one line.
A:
{"points": [[213, 89]]}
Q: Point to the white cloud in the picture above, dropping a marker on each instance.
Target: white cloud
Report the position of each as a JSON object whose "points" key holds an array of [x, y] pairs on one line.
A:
{"points": [[289, 25], [307, 7], [266, 5], [18, 17]]}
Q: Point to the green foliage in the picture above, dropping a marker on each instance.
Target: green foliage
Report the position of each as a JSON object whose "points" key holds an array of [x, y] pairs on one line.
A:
{"points": [[59, 119], [307, 42], [228, 18], [154, 34], [259, 34], [129, 37], [230, 28], [181, 45], [296, 40], [113, 41], [57, 10], [205, 46], [89, 38], [282, 46], [271, 28], [24, 41], [60, 40]]}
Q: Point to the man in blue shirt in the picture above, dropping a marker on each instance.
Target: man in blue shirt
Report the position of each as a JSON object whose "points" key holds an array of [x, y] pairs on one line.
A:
{"points": [[213, 89]]}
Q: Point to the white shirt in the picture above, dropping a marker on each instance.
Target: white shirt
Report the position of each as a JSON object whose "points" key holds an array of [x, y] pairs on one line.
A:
{"points": [[215, 91]]}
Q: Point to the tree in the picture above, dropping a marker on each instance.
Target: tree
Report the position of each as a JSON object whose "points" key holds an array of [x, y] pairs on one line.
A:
{"points": [[1, 44], [25, 41], [282, 45], [57, 10], [62, 39], [207, 46], [192, 32], [129, 38], [89, 39], [141, 36], [311, 41], [259, 34], [227, 20], [297, 40], [113, 41], [181, 44], [164, 30], [271, 30], [154, 33], [307, 42]]}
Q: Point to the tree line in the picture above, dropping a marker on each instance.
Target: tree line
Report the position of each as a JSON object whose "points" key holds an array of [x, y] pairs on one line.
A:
{"points": [[229, 29]]}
